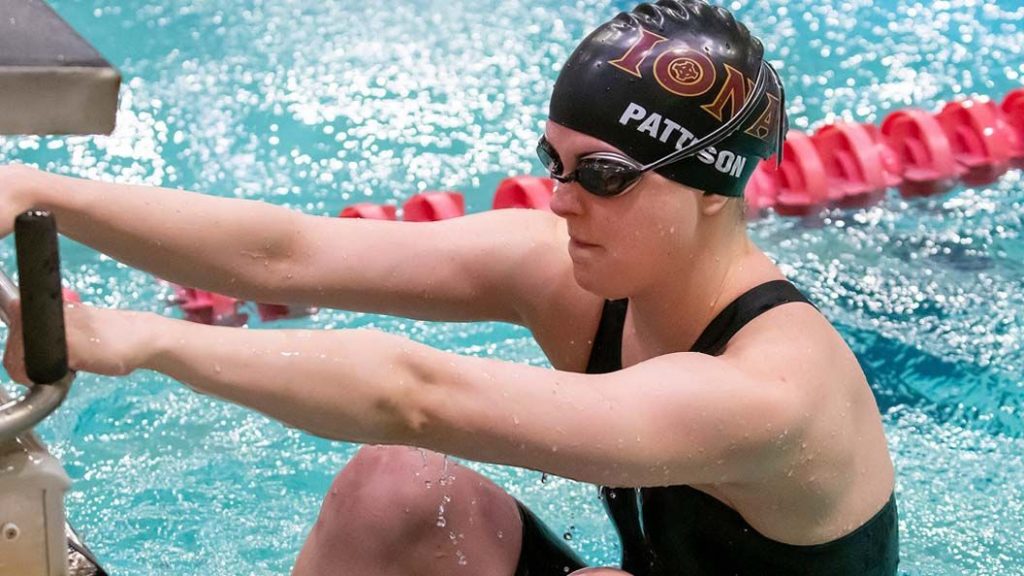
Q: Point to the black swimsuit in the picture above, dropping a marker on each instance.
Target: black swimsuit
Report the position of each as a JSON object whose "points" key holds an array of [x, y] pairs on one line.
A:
{"points": [[681, 531]]}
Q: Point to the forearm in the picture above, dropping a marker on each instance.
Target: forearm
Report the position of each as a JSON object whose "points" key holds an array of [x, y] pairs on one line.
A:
{"points": [[232, 246], [354, 385]]}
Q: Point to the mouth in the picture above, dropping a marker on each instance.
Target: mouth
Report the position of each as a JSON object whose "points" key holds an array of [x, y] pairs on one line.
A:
{"points": [[579, 244]]}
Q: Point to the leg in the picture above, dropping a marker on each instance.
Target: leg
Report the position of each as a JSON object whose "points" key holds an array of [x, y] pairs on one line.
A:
{"points": [[395, 511], [600, 572]]}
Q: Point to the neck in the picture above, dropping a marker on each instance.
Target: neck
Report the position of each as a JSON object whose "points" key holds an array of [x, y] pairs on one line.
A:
{"points": [[670, 316]]}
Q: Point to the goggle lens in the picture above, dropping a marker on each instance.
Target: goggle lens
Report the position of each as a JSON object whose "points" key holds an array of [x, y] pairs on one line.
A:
{"points": [[603, 176], [606, 177], [549, 157]]}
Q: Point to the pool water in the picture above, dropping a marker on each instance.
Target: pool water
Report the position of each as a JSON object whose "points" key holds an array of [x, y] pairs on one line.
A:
{"points": [[317, 105]]}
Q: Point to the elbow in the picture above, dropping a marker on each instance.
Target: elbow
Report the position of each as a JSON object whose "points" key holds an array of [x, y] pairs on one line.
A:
{"points": [[402, 419], [269, 271], [409, 407]]}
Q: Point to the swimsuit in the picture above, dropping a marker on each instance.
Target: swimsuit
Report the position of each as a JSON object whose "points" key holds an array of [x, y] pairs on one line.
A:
{"points": [[681, 531]]}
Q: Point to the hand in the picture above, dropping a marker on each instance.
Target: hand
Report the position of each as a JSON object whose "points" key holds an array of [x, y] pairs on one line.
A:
{"points": [[100, 340], [19, 186]]}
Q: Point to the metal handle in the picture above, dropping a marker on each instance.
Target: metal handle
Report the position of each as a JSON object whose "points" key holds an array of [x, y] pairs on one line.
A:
{"points": [[42, 307], [42, 323]]}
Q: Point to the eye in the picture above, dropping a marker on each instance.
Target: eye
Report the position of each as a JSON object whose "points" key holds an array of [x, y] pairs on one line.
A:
{"points": [[548, 157], [607, 176]]}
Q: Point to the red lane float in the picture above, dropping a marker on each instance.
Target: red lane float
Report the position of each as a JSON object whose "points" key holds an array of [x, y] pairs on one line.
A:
{"points": [[923, 150], [70, 296], [524, 192], [209, 307], [803, 185], [369, 211], [271, 312], [854, 164], [205, 307], [1013, 114], [844, 164], [432, 206], [978, 139], [892, 165]]}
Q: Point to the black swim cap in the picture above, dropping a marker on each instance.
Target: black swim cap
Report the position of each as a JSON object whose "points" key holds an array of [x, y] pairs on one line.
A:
{"points": [[658, 78]]}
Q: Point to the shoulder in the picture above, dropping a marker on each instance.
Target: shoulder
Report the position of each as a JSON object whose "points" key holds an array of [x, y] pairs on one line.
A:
{"points": [[797, 349], [792, 340]]}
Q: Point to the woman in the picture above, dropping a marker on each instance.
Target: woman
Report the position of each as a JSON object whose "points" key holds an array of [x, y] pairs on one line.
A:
{"points": [[729, 425]]}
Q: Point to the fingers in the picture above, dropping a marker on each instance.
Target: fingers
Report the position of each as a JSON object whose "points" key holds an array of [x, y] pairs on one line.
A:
{"points": [[16, 182]]}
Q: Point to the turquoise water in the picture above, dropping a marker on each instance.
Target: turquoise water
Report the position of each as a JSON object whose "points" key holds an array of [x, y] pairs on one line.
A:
{"points": [[318, 105]]}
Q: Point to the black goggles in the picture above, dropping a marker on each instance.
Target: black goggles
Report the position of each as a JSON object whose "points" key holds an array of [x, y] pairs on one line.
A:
{"points": [[603, 174], [608, 174]]}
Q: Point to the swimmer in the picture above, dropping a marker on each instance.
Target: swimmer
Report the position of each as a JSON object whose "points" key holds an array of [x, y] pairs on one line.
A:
{"points": [[729, 426]]}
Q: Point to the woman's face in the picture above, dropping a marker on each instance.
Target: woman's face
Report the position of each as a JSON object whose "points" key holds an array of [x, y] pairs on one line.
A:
{"points": [[620, 246]]}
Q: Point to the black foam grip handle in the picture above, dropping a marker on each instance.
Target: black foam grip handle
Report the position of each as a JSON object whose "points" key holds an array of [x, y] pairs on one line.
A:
{"points": [[42, 306]]}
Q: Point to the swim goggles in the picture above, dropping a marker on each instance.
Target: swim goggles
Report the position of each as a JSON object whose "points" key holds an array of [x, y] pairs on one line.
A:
{"points": [[609, 174]]}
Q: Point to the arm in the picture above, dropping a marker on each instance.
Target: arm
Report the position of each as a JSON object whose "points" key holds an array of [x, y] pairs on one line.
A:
{"points": [[481, 267], [680, 418]]}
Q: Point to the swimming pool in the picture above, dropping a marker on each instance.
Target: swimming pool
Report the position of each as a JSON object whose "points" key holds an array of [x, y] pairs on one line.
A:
{"points": [[318, 105]]}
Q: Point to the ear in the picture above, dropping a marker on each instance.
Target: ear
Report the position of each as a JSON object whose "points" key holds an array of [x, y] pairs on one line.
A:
{"points": [[712, 204]]}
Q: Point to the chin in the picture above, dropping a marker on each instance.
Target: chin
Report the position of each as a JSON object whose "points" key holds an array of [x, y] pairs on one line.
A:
{"points": [[606, 284]]}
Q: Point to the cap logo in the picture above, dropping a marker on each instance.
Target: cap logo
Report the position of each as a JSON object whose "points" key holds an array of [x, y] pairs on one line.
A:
{"points": [[763, 127], [683, 71], [637, 53]]}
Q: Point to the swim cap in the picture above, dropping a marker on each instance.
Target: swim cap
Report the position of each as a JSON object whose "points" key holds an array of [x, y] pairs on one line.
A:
{"points": [[659, 78]]}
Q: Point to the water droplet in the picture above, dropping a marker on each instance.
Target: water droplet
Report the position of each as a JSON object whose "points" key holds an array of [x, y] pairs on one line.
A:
{"points": [[567, 536]]}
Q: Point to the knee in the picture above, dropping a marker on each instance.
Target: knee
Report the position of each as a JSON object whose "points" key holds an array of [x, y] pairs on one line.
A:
{"points": [[383, 476], [385, 489], [388, 471]]}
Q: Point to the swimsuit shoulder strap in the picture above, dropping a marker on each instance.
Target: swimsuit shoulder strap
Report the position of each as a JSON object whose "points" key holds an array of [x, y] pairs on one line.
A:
{"points": [[606, 351], [742, 310]]}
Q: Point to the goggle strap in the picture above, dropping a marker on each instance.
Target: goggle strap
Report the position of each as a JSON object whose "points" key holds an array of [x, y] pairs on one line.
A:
{"points": [[780, 144]]}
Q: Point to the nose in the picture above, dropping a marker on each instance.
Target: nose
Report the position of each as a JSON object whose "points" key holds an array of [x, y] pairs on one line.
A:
{"points": [[566, 200]]}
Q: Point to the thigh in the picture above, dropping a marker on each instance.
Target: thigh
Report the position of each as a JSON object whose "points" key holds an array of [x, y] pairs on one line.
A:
{"points": [[396, 511]]}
